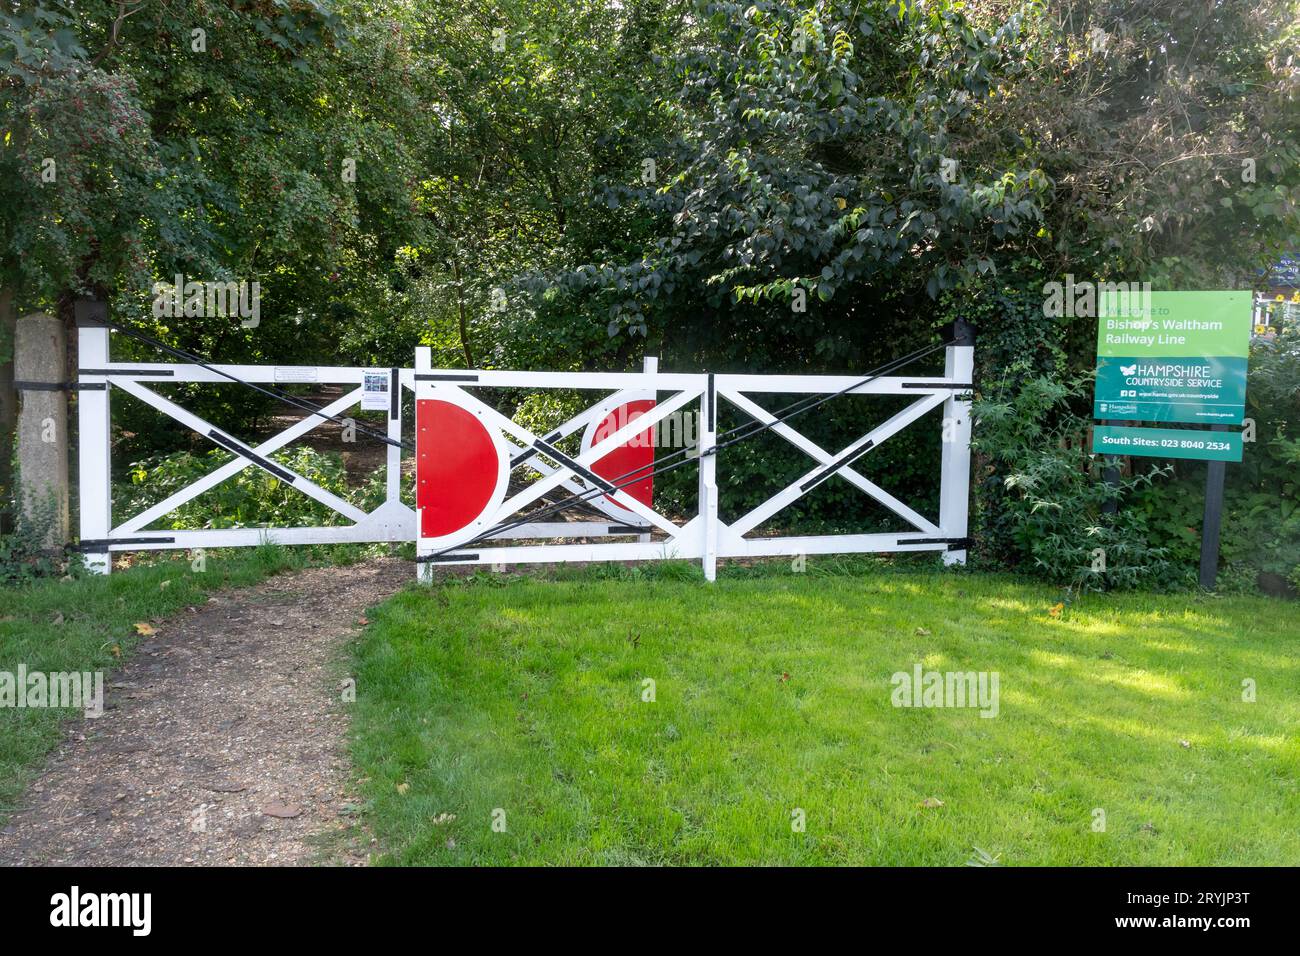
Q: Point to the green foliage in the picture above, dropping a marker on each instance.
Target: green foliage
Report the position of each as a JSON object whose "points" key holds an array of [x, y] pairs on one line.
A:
{"points": [[811, 165], [23, 556], [540, 127], [541, 412], [87, 224], [1178, 168], [38, 41], [1006, 311], [250, 499], [1055, 515], [223, 162]]}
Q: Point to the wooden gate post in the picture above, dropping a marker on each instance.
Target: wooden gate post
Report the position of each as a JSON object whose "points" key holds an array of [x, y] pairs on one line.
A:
{"points": [[94, 497], [954, 475], [40, 353], [707, 448], [650, 365]]}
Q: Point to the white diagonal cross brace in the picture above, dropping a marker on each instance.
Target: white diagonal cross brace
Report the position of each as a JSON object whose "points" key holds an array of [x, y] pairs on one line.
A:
{"points": [[877, 436], [189, 419], [819, 454]]}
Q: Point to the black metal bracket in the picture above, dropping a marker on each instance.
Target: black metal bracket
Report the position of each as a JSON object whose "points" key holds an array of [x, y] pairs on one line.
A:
{"points": [[151, 372], [527, 453], [959, 332], [230, 444], [846, 459], [102, 544], [550, 451], [953, 544], [60, 386]]}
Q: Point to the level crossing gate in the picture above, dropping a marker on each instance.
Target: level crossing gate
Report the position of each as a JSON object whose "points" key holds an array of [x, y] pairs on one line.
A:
{"points": [[469, 503], [490, 491]]}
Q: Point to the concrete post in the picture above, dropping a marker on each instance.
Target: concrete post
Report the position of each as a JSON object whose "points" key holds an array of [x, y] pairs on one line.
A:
{"points": [[40, 348]]}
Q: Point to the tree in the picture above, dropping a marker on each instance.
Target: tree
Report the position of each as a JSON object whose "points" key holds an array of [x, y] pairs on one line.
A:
{"points": [[816, 158], [244, 142], [869, 157]]}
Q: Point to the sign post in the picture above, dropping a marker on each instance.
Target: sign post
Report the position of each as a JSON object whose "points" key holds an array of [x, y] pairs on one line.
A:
{"points": [[1212, 520], [1179, 358]]}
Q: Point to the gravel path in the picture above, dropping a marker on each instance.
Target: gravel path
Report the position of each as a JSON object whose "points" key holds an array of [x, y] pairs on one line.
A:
{"points": [[222, 740]]}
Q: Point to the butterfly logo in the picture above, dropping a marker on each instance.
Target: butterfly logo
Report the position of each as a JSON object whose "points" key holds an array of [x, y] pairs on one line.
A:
{"points": [[1128, 369]]}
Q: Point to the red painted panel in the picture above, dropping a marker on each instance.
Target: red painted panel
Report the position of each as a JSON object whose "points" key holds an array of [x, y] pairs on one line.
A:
{"points": [[637, 455], [456, 469]]}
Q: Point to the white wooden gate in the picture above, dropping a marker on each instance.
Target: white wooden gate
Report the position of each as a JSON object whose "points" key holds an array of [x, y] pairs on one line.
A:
{"points": [[100, 536], [466, 531], [468, 453]]}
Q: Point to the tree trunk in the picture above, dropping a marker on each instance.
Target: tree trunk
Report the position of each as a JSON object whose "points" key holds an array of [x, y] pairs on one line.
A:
{"points": [[8, 406], [460, 306]]}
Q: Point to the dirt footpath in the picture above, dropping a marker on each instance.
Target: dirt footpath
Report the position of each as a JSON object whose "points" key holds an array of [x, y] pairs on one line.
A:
{"points": [[222, 740]]}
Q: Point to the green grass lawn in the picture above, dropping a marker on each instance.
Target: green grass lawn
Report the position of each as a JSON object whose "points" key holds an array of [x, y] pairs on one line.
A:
{"points": [[773, 695], [88, 624]]}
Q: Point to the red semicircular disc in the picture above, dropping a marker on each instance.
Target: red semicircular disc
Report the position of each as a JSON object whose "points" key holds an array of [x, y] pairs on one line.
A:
{"points": [[637, 455], [457, 468]]}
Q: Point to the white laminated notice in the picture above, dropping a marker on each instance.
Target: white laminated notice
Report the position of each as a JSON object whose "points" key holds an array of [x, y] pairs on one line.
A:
{"points": [[374, 391]]}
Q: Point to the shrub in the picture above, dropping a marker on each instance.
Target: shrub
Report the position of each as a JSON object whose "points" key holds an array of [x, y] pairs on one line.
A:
{"points": [[250, 498], [1043, 503], [1261, 521], [23, 556]]}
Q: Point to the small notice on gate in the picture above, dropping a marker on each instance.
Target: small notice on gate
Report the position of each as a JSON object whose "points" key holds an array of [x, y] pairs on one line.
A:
{"points": [[374, 391], [296, 373]]}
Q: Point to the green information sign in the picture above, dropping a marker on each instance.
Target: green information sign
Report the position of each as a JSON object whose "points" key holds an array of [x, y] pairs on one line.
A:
{"points": [[1173, 357], [1166, 442]]}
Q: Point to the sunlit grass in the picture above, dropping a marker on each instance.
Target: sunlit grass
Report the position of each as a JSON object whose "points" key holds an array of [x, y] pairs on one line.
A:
{"points": [[772, 699]]}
